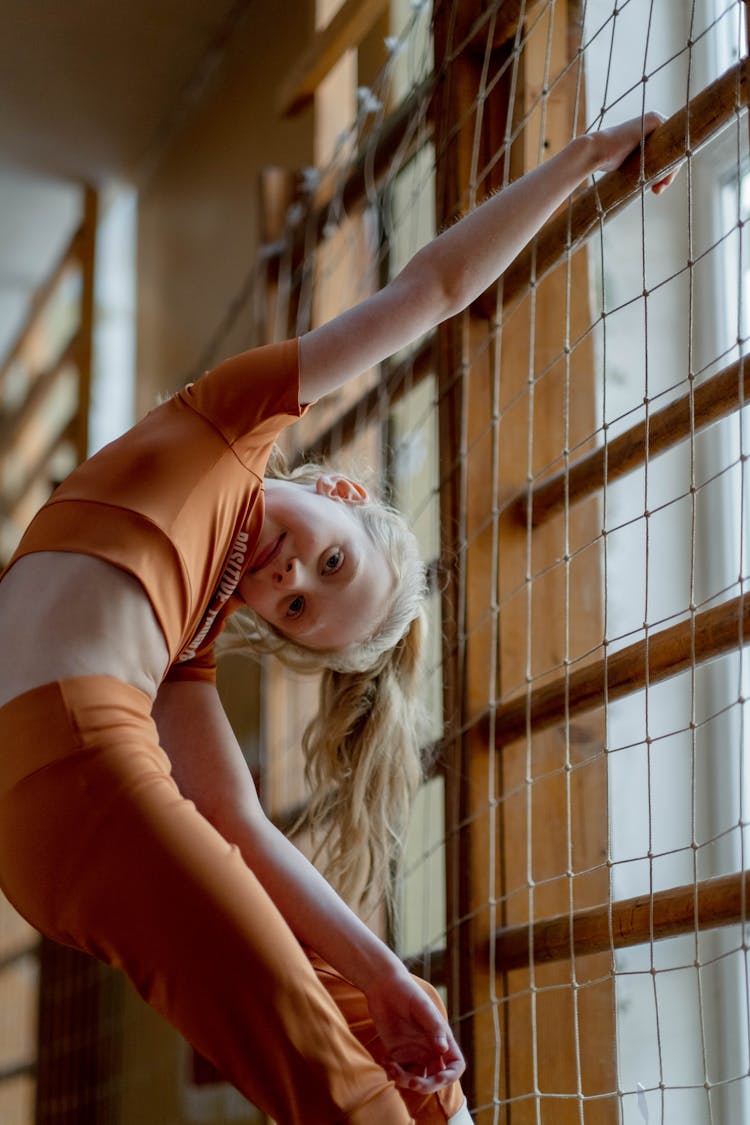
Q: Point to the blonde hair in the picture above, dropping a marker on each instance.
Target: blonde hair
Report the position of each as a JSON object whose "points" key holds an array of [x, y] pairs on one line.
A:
{"points": [[363, 748]]}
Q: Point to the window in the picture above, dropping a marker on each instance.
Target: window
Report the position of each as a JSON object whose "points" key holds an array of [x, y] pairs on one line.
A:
{"points": [[592, 757]]}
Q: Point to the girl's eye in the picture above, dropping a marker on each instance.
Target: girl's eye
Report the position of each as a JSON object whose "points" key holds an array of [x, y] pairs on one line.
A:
{"points": [[296, 606], [333, 562]]}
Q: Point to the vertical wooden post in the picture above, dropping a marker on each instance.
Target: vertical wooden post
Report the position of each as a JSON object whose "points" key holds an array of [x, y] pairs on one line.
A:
{"points": [[84, 341], [277, 191], [555, 833], [538, 820], [465, 392], [747, 35]]}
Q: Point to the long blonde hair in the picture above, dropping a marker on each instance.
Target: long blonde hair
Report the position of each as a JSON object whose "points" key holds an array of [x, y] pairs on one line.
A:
{"points": [[363, 748]]}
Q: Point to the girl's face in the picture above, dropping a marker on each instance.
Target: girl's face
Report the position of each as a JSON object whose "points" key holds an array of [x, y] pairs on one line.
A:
{"points": [[316, 575]]}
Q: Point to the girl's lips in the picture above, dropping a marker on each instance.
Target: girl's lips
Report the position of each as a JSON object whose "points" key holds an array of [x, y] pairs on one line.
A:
{"points": [[268, 554]]}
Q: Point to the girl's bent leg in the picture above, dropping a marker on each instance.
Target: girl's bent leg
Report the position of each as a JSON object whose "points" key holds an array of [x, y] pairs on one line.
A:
{"points": [[99, 850]]}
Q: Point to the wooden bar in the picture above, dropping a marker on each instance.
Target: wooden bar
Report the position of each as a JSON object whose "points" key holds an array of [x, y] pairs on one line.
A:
{"points": [[9, 959], [666, 146], [353, 21], [34, 401], [662, 150], [17, 1070], [663, 654], [633, 921], [432, 966], [685, 131], [719, 396], [39, 471], [507, 17], [70, 255], [501, 18]]}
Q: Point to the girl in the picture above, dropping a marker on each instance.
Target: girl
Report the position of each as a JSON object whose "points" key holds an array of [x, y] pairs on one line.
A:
{"points": [[129, 826]]}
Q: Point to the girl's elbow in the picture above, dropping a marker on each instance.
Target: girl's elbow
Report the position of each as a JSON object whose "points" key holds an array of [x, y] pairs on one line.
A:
{"points": [[434, 293], [237, 820], [457, 290], [445, 297]]}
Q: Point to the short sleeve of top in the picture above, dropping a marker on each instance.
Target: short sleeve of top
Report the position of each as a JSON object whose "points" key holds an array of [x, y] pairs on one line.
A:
{"points": [[178, 500]]}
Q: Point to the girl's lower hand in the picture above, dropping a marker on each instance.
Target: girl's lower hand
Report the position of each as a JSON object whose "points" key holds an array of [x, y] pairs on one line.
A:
{"points": [[421, 1054]]}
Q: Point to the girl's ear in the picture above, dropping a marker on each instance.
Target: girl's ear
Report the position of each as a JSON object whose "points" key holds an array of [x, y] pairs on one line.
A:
{"points": [[336, 487]]}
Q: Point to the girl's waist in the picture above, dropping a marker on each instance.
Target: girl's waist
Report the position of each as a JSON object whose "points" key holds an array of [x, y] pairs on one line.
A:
{"points": [[130, 543], [63, 614]]}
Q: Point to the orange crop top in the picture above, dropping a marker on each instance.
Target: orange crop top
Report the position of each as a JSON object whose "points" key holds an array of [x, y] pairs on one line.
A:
{"points": [[177, 501]]}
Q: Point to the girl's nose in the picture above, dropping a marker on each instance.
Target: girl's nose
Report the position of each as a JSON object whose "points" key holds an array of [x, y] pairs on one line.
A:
{"points": [[285, 572]]}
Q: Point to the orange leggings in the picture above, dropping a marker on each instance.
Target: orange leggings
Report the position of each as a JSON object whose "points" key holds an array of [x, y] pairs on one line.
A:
{"points": [[99, 850]]}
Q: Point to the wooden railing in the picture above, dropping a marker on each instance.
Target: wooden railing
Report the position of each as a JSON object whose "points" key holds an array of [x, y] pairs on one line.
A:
{"points": [[44, 403], [44, 386]]}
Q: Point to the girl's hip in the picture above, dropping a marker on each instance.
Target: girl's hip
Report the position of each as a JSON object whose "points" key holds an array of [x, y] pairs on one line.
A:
{"points": [[85, 715]]}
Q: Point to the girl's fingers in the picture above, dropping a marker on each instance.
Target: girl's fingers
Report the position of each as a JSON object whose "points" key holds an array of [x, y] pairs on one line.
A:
{"points": [[646, 126], [651, 121], [661, 185], [428, 1075], [424, 1083]]}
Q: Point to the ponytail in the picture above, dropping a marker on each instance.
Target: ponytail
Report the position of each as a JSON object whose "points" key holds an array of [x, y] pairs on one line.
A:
{"points": [[363, 765]]}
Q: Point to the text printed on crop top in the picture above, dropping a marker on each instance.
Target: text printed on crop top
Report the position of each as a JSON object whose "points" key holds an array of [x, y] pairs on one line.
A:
{"points": [[228, 583]]}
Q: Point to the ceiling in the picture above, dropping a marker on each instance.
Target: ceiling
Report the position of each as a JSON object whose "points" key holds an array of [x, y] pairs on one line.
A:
{"points": [[88, 92]]}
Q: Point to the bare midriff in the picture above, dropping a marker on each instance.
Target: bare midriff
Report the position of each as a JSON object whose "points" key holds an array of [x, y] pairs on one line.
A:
{"points": [[64, 614]]}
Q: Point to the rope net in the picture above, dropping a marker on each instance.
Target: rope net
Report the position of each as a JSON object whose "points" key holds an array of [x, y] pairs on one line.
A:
{"points": [[572, 453]]}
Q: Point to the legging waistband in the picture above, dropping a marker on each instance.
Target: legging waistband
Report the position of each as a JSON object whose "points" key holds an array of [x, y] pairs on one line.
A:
{"points": [[77, 711]]}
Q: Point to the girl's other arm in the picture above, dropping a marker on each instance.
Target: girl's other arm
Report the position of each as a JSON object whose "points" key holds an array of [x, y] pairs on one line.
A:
{"points": [[209, 768], [450, 272]]}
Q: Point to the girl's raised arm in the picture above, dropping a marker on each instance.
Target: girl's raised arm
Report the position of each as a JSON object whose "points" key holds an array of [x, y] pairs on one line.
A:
{"points": [[450, 272]]}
